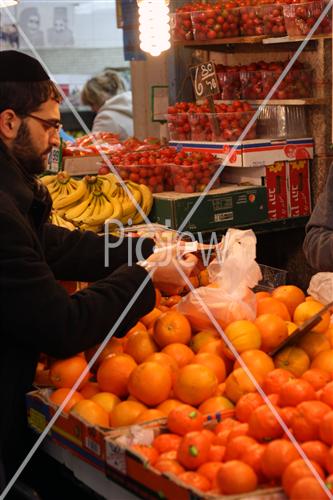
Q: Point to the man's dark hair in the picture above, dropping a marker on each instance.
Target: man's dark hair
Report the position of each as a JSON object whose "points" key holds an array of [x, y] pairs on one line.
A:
{"points": [[26, 97]]}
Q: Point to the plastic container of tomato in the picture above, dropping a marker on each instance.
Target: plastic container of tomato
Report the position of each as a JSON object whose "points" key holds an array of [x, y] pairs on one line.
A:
{"points": [[193, 178], [200, 124], [273, 19], [220, 22], [251, 21], [297, 84], [179, 127], [181, 26], [230, 84], [228, 127], [300, 17], [251, 85], [150, 175]]}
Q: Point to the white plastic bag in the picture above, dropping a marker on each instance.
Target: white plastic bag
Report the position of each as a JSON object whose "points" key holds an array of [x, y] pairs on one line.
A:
{"points": [[321, 287], [232, 275]]}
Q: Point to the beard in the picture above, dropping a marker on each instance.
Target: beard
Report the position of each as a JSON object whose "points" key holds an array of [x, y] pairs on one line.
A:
{"points": [[23, 150]]}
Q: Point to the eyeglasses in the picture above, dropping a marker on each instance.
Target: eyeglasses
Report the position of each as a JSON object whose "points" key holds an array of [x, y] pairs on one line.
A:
{"points": [[56, 124]]}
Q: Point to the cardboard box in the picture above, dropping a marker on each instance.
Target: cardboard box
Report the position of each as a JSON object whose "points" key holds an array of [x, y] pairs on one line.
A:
{"points": [[227, 206], [124, 466], [298, 174], [255, 176], [69, 431], [277, 191], [254, 153]]}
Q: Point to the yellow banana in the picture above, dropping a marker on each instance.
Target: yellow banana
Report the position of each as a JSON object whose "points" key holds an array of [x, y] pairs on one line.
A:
{"points": [[146, 203], [74, 196], [99, 218], [47, 179]]}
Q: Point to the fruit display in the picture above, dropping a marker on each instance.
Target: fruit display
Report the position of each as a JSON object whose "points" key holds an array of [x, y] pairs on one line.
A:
{"points": [[216, 21], [87, 203], [300, 17], [163, 368], [181, 22], [225, 125]]}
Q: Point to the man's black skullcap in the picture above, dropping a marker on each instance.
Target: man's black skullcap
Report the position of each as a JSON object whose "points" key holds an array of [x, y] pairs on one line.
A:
{"points": [[19, 67]]}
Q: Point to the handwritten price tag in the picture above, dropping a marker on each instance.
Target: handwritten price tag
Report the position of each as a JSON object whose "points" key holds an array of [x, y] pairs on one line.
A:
{"points": [[205, 80]]}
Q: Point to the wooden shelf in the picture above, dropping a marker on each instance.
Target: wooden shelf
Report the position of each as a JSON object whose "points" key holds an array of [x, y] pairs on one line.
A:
{"points": [[310, 101], [249, 39]]}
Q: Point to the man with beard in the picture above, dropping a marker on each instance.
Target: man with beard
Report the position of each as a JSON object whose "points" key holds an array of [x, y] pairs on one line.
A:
{"points": [[36, 313]]}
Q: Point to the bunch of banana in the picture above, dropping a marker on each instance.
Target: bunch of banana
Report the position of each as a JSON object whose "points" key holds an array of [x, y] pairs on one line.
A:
{"points": [[97, 205], [57, 220], [131, 197]]}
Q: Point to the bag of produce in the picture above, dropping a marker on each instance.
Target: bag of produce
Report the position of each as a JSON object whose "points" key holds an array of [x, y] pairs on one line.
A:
{"points": [[232, 274]]}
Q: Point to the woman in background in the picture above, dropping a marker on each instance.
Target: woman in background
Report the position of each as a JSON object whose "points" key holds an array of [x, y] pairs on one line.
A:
{"points": [[107, 96]]}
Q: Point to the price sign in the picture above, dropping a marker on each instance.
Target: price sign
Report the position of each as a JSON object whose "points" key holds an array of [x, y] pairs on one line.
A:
{"points": [[205, 80]]}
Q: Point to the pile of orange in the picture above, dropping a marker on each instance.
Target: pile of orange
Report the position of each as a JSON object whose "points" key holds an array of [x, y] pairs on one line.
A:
{"points": [[162, 362]]}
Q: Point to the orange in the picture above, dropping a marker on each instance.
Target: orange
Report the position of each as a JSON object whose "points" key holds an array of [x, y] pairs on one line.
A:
{"points": [[273, 331], [181, 353], [166, 360], [294, 360], [329, 334], [113, 346], [215, 404], [243, 335], [290, 295], [314, 343], [150, 383], [59, 395], [114, 372], [149, 319], [204, 277], [150, 414], [195, 383], [270, 305], [65, 372], [258, 362], [140, 345], [172, 327], [168, 405], [214, 362], [138, 327], [291, 327], [89, 389], [324, 361], [214, 347], [106, 400], [91, 412], [202, 338], [237, 384], [125, 413], [262, 295], [307, 309]]}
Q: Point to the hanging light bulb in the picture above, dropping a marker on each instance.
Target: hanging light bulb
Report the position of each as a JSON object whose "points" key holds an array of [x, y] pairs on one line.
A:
{"points": [[8, 3], [154, 26]]}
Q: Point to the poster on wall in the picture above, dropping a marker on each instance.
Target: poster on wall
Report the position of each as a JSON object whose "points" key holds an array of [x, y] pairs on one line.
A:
{"points": [[48, 25]]}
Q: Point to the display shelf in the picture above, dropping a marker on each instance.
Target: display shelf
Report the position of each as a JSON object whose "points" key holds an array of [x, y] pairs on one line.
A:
{"points": [[249, 39]]}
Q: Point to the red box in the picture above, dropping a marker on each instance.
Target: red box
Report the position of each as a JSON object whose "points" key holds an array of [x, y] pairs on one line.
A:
{"points": [[277, 191], [298, 176]]}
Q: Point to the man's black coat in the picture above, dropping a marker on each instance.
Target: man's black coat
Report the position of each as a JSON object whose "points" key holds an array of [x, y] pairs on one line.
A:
{"points": [[36, 313]]}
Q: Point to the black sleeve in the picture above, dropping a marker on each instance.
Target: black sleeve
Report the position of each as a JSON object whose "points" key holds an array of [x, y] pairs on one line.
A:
{"points": [[37, 312], [85, 256], [318, 243]]}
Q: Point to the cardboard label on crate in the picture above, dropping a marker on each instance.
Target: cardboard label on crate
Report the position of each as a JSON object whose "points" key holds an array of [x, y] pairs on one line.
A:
{"points": [[116, 457], [205, 80], [54, 160], [277, 191], [299, 188], [36, 420]]}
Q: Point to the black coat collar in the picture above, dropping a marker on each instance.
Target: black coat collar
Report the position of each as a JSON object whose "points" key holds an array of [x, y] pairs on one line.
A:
{"points": [[21, 189]]}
